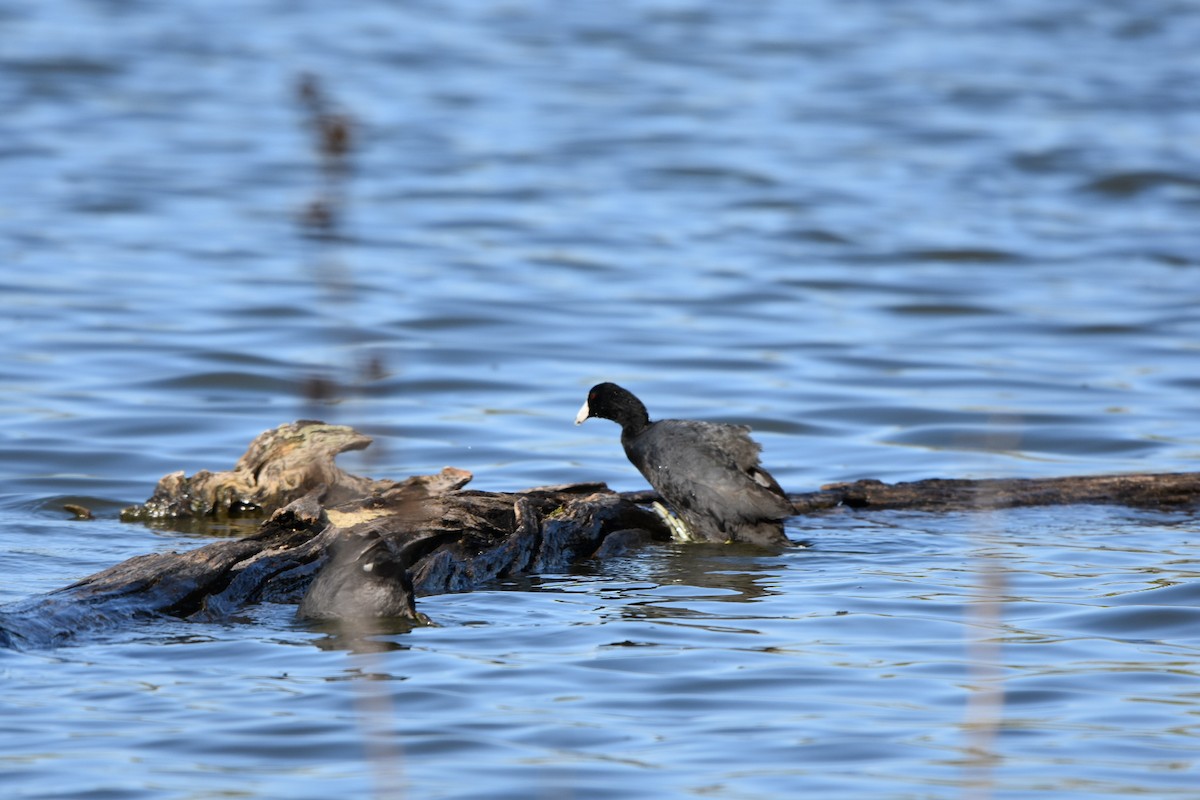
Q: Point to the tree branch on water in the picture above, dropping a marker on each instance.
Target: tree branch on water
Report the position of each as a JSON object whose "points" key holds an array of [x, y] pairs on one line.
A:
{"points": [[343, 546], [941, 494]]}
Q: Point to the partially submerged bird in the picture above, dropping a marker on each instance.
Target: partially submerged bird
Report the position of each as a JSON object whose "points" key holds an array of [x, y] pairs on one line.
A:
{"points": [[708, 472], [363, 578]]}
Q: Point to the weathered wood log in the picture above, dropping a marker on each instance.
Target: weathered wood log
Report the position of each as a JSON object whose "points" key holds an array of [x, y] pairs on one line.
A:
{"points": [[1151, 490], [280, 465], [344, 547], [379, 532], [939, 494]]}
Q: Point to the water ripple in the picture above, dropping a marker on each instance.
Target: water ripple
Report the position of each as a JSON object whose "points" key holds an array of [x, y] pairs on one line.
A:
{"points": [[820, 219]]}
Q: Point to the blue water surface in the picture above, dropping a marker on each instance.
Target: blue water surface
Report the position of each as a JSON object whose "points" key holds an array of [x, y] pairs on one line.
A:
{"points": [[900, 240]]}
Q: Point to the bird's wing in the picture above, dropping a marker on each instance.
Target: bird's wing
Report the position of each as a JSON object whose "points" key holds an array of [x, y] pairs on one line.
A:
{"points": [[733, 440], [714, 469]]}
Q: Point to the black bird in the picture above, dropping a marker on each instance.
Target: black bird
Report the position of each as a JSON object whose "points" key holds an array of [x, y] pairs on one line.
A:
{"points": [[363, 578], [708, 472]]}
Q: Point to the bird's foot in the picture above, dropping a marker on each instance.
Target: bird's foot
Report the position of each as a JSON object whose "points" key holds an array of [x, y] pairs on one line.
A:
{"points": [[680, 532]]}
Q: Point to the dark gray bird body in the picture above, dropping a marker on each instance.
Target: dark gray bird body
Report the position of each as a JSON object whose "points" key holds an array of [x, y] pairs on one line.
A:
{"points": [[708, 472], [361, 579]]}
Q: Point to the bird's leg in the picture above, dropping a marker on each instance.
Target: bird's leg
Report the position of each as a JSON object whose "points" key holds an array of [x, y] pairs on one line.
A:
{"points": [[680, 532]]}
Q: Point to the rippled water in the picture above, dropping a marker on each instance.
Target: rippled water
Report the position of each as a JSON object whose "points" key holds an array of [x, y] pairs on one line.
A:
{"points": [[900, 240]]}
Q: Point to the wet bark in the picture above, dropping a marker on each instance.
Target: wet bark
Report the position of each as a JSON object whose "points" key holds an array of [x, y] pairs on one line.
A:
{"points": [[344, 547], [338, 545], [939, 494], [1153, 490]]}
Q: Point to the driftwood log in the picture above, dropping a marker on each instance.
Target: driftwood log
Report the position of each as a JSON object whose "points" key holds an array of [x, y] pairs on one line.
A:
{"points": [[346, 547]]}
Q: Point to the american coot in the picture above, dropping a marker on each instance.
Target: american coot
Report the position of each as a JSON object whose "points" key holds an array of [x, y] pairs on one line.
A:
{"points": [[708, 472], [363, 578]]}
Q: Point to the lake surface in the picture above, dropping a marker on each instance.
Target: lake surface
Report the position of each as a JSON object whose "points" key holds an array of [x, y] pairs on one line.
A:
{"points": [[900, 240]]}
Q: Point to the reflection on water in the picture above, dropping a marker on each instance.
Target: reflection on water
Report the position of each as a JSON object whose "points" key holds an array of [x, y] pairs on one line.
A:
{"points": [[900, 242]]}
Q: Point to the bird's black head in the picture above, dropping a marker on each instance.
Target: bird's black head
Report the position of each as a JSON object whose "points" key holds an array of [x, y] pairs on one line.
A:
{"points": [[609, 401]]}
